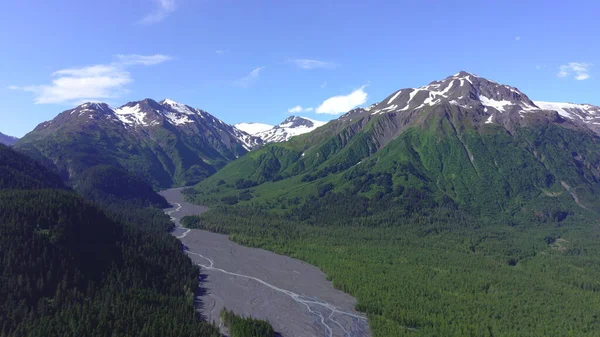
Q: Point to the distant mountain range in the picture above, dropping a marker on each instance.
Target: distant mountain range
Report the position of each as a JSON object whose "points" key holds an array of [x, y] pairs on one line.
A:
{"points": [[7, 140], [290, 127], [168, 144], [165, 143]]}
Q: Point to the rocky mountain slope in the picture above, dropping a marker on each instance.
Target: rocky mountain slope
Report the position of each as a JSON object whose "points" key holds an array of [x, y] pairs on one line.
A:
{"points": [[482, 144], [7, 140], [165, 143]]}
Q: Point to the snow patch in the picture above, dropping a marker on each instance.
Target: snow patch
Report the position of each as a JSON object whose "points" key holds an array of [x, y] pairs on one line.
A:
{"points": [[177, 119], [492, 103], [561, 108], [131, 115], [253, 128], [182, 108]]}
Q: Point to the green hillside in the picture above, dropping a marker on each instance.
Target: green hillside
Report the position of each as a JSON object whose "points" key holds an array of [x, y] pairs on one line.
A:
{"points": [[442, 228]]}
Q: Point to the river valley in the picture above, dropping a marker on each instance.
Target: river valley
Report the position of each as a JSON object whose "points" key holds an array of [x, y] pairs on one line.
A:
{"points": [[293, 296]]}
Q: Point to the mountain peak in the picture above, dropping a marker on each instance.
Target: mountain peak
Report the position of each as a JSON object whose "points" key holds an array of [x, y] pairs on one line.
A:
{"points": [[168, 102], [290, 127], [463, 74], [462, 89], [94, 106], [296, 121]]}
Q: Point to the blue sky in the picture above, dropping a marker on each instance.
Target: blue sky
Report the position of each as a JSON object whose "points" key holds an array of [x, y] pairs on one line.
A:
{"points": [[256, 60]]}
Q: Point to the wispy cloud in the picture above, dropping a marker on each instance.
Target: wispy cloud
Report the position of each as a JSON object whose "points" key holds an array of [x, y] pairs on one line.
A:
{"points": [[580, 71], [313, 64], [221, 51], [90, 83], [135, 59], [340, 104], [299, 108], [162, 10], [324, 84], [517, 38], [247, 80]]}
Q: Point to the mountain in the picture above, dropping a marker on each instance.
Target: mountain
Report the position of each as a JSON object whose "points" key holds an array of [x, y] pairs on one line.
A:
{"points": [[165, 143], [460, 208], [7, 140], [482, 144], [290, 127], [253, 128]]}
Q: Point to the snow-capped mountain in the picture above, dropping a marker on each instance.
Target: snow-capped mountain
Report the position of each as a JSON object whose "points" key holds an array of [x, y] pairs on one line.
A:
{"points": [[166, 142], [7, 140], [463, 90], [481, 100], [253, 128], [292, 126], [148, 114]]}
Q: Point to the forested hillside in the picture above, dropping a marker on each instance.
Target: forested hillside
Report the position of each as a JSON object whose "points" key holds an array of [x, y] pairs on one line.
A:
{"points": [[69, 269], [456, 209]]}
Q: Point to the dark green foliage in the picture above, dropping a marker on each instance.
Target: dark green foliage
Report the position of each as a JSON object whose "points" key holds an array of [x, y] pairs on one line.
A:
{"points": [[108, 185], [244, 326], [433, 267], [69, 269], [243, 183], [230, 200], [20, 172]]}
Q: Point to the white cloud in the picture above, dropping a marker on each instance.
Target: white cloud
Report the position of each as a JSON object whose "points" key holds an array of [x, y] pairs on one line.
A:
{"points": [[299, 108], [90, 83], [580, 71], [162, 10], [343, 103], [252, 76], [517, 38], [313, 64], [149, 60]]}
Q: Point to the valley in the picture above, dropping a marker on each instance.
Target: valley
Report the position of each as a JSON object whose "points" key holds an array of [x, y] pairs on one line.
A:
{"points": [[173, 168], [293, 296]]}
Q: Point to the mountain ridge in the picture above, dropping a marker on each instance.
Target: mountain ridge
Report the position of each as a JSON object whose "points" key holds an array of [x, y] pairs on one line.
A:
{"points": [[463, 110], [8, 140], [164, 143]]}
